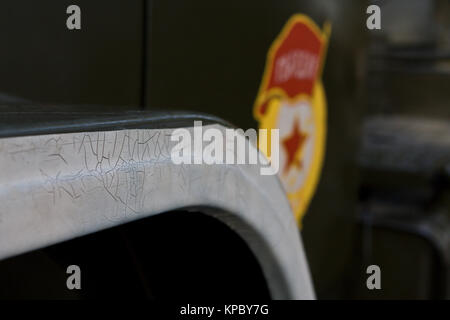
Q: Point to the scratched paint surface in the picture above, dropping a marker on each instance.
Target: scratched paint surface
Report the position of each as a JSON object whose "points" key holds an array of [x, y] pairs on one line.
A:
{"points": [[56, 187], [115, 163]]}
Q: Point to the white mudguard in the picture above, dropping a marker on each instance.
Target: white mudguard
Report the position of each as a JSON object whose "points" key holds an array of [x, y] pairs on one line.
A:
{"points": [[62, 186]]}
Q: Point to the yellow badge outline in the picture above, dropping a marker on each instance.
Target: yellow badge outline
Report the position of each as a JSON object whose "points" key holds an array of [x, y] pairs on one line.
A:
{"points": [[300, 199]]}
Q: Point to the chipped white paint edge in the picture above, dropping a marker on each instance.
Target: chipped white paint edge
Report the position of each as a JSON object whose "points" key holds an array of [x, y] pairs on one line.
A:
{"points": [[61, 186]]}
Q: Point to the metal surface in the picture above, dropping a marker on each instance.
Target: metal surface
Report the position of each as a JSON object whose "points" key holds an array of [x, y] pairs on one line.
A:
{"points": [[61, 186], [200, 56], [27, 119], [45, 62]]}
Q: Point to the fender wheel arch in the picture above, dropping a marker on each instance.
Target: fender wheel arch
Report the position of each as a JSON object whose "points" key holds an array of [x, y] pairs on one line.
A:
{"points": [[60, 186]]}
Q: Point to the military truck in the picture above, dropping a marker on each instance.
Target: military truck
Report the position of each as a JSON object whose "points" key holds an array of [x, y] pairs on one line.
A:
{"points": [[93, 205]]}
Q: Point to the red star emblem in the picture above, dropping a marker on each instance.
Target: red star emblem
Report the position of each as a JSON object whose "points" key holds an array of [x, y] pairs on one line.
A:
{"points": [[292, 144]]}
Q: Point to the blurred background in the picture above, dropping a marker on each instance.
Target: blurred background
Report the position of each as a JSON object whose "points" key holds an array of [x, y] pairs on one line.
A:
{"points": [[384, 193]]}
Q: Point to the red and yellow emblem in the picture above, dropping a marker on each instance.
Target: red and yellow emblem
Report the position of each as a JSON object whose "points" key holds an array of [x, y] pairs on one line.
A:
{"points": [[292, 99]]}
